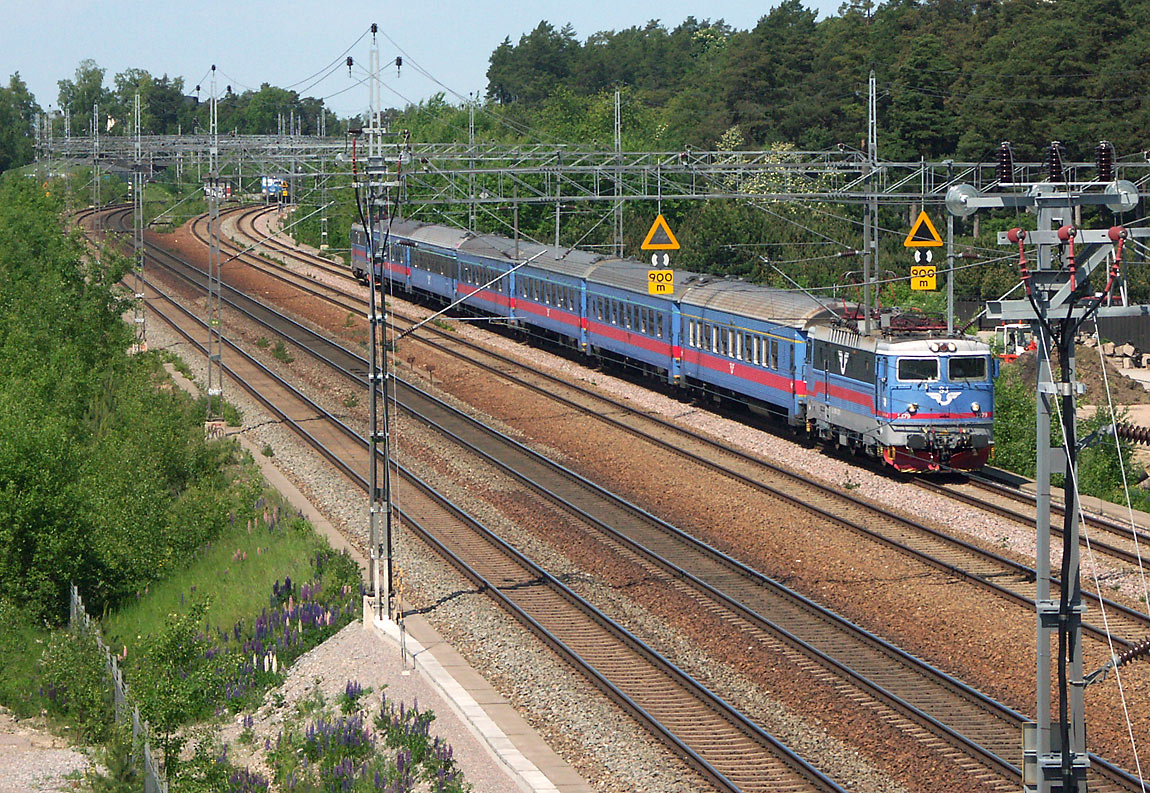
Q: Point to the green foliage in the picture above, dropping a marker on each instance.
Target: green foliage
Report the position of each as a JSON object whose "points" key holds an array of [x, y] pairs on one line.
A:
{"points": [[280, 353], [1015, 439], [1014, 417], [120, 763], [337, 752], [21, 645], [18, 108], [75, 684], [103, 463], [171, 678]]}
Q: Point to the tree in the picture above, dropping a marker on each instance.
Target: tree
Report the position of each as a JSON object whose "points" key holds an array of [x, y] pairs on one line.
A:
{"points": [[79, 95], [921, 122], [18, 108]]}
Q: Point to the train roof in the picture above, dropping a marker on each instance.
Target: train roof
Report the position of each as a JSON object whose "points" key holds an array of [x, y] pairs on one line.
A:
{"points": [[793, 309], [565, 261], [783, 307], [625, 274]]}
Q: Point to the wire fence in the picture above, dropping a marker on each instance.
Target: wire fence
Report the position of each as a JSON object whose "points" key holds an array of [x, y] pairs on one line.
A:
{"points": [[154, 781]]}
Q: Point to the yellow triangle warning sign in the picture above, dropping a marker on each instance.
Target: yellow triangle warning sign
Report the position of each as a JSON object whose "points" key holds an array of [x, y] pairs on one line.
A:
{"points": [[660, 238], [922, 234]]}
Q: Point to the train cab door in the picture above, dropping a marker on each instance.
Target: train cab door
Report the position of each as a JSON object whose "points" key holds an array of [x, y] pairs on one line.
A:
{"points": [[880, 385], [822, 371]]}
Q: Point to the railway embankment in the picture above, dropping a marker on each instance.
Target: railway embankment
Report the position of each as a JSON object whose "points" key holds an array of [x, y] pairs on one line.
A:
{"points": [[206, 582]]}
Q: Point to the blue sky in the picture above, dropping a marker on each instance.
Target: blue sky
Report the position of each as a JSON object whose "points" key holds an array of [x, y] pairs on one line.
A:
{"points": [[285, 41]]}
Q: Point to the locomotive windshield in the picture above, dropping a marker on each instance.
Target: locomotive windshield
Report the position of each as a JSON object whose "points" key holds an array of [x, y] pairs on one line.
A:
{"points": [[917, 368], [966, 368]]}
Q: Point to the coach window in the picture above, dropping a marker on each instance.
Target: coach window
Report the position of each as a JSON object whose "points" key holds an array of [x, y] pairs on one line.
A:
{"points": [[659, 325], [774, 362], [917, 369]]}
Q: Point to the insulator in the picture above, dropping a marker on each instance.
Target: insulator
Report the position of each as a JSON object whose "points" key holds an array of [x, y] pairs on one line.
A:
{"points": [[1133, 433], [1054, 162], [1104, 161], [1004, 168], [374, 28], [1140, 649]]}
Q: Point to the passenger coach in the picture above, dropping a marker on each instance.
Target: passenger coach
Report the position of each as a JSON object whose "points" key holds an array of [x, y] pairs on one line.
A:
{"points": [[919, 400]]}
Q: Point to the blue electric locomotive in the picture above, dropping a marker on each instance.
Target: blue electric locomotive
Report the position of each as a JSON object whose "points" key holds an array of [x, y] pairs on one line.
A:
{"points": [[920, 401]]}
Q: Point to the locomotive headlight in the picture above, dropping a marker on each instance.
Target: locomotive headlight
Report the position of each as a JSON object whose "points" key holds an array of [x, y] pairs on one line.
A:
{"points": [[977, 408], [912, 408]]}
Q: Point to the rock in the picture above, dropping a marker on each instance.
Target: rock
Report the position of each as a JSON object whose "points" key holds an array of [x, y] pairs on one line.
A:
{"points": [[1107, 348], [1090, 341], [1145, 360], [1128, 350], [1127, 363]]}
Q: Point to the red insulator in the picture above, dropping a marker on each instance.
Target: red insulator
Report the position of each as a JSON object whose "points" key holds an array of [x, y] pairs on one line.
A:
{"points": [[1117, 233], [1016, 235], [1067, 235]]}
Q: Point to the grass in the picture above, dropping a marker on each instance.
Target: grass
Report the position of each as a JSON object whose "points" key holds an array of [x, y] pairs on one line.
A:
{"points": [[280, 353], [21, 645], [235, 574]]}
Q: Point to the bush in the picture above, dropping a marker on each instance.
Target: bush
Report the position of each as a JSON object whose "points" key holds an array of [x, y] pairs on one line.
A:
{"points": [[21, 644], [75, 684]]}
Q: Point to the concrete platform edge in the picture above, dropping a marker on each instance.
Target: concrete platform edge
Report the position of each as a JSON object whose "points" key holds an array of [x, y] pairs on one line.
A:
{"points": [[471, 712]]}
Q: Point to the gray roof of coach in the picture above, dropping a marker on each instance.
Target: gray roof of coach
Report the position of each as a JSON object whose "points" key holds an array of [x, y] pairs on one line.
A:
{"points": [[574, 262], [626, 274], [794, 309], [783, 307]]}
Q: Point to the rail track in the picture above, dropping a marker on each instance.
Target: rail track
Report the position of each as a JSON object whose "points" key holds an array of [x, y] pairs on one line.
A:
{"points": [[717, 740], [1122, 541], [966, 561], [835, 647]]}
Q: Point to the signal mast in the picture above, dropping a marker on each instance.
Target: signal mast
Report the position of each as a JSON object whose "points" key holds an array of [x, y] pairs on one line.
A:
{"points": [[1076, 275]]}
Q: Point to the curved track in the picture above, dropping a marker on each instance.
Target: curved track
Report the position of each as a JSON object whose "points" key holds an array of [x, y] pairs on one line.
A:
{"points": [[718, 741], [910, 691], [981, 567]]}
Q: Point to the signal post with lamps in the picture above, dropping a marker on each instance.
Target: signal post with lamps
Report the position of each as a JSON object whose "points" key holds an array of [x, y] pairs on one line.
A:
{"points": [[1076, 275]]}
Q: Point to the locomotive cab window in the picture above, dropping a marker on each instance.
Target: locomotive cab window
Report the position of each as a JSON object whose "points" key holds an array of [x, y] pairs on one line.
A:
{"points": [[917, 369], [966, 368]]}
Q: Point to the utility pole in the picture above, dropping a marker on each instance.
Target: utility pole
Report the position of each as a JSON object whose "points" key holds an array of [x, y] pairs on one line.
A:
{"points": [[138, 235], [949, 259], [870, 215], [1060, 294], [96, 223], [379, 192], [214, 423], [471, 176], [618, 174]]}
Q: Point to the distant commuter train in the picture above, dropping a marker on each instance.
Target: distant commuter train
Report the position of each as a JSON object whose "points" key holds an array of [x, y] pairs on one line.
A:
{"points": [[919, 401]]}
